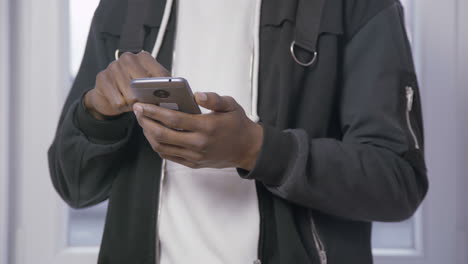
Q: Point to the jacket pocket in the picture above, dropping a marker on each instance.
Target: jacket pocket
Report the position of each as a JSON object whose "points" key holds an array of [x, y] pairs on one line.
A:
{"points": [[114, 12], [277, 12], [112, 16]]}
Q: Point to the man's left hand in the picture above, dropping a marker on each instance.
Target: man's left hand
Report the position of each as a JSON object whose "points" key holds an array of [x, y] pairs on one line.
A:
{"points": [[224, 138]]}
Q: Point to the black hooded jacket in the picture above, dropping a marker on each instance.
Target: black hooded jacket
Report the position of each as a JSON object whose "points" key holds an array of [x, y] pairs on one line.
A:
{"points": [[343, 138]]}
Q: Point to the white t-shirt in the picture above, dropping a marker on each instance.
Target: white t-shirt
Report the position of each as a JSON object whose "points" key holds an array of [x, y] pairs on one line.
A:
{"points": [[211, 215]]}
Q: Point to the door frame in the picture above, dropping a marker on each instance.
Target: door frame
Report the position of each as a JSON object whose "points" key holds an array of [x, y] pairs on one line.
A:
{"points": [[41, 73], [462, 129], [4, 129]]}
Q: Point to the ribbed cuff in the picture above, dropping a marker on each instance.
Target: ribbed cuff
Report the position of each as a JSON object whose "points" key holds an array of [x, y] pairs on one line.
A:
{"points": [[275, 157], [102, 131]]}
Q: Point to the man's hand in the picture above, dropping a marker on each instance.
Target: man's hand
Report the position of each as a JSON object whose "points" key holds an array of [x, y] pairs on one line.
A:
{"points": [[224, 138], [112, 94]]}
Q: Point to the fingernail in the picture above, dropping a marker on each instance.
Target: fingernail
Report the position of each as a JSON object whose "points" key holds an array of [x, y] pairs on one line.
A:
{"points": [[201, 96], [137, 109]]}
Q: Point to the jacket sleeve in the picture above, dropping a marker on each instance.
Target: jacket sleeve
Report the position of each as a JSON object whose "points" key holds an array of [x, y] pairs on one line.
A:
{"points": [[84, 156], [376, 171]]}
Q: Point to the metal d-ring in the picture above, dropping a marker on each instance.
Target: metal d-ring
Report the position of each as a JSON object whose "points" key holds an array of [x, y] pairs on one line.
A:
{"points": [[293, 53]]}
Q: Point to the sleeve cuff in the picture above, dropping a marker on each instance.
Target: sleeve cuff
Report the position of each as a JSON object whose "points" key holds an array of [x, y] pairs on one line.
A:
{"points": [[275, 157], [102, 131]]}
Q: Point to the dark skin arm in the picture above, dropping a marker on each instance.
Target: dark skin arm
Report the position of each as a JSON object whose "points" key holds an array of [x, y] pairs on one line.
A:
{"points": [[224, 138]]}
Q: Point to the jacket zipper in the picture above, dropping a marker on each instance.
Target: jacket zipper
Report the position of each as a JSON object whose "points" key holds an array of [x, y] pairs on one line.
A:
{"points": [[160, 196], [409, 108], [261, 235], [319, 246]]}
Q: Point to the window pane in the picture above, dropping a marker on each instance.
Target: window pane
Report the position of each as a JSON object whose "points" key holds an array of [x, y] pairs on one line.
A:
{"points": [[394, 235], [86, 225]]}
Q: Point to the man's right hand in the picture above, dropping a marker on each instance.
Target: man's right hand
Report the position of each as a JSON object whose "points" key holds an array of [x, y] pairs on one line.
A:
{"points": [[112, 94]]}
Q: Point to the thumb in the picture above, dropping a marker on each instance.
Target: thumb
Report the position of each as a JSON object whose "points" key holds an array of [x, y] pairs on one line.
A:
{"points": [[216, 103]]}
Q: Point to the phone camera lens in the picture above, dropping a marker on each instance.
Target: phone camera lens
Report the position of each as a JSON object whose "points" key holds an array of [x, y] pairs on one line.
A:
{"points": [[161, 93]]}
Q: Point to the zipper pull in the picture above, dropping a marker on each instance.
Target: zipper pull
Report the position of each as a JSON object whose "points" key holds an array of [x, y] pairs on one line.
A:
{"points": [[323, 257], [409, 98]]}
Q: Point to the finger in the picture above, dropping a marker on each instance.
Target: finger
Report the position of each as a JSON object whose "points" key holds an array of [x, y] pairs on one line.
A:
{"points": [[171, 118], [122, 81], [216, 103], [132, 67], [152, 65], [106, 88], [162, 134], [98, 101], [176, 151], [181, 161]]}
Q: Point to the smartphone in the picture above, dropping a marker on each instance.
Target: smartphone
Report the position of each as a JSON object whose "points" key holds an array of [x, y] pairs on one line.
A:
{"points": [[169, 92]]}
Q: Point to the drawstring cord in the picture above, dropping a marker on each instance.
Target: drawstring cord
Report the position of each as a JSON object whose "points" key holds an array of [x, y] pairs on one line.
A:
{"points": [[256, 62], [162, 29]]}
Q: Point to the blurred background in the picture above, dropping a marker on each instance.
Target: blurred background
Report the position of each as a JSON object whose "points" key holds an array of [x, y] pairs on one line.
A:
{"points": [[41, 46]]}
